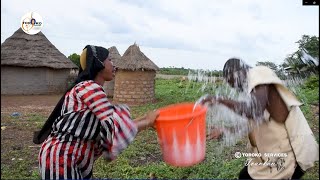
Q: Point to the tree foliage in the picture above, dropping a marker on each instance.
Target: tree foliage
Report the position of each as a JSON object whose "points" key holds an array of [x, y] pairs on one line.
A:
{"points": [[277, 69], [311, 44], [174, 71], [182, 71], [75, 58], [269, 64], [305, 61]]}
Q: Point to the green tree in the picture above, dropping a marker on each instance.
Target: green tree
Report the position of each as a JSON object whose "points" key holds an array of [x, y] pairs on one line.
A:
{"points": [[277, 69], [75, 58], [311, 44], [297, 63], [293, 65], [269, 64]]}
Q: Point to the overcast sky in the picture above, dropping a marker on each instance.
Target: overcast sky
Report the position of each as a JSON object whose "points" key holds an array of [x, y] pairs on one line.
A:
{"points": [[197, 34]]}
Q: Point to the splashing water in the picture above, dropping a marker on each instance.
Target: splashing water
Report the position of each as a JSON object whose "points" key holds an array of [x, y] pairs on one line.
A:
{"points": [[233, 125], [308, 59], [294, 82]]}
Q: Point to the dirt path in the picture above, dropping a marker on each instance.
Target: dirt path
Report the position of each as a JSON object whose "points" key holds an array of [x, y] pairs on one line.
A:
{"points": [[29, 104], [17, 149]]}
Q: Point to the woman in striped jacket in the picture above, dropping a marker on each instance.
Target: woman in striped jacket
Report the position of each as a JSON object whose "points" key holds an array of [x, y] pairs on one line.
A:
{"points": [[85, 125]]}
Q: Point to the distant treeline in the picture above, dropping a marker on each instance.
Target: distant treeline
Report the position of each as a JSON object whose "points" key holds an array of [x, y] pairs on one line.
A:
{"points": [[183, 71], [302, 63]]}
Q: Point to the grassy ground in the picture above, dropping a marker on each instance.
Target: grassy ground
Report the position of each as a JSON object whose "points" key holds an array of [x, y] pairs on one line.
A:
{"points": [[143, 158]]}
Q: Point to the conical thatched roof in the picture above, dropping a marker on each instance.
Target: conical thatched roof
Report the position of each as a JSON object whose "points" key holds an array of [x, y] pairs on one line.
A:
{"points": [[26, 50], [133, 59], [114, 53]]}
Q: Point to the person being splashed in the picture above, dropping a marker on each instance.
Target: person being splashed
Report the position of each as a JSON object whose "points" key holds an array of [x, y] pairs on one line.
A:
{"points": [[281, 128]]}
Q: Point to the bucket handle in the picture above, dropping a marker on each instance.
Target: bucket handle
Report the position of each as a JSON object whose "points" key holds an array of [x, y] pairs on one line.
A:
{"points": [[197, 104], [189, 122], [194, 107]]}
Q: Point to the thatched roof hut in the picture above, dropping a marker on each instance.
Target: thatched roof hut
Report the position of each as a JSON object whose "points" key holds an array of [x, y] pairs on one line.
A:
{"points": [[133, 59], [114, 53], [31, 64], [115, 57], [135, 77], [26, 50]]}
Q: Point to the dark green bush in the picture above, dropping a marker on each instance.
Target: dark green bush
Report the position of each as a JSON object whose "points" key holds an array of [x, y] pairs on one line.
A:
{"points": [[312, 82]]}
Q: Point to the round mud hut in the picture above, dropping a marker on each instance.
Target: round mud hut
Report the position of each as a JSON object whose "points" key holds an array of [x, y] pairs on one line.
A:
{"points": [[115, 56], [135, 78], [31, 64]]}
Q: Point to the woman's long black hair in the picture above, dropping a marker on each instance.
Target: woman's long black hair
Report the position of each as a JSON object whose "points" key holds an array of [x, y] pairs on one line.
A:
{"points": [[94, 63]]}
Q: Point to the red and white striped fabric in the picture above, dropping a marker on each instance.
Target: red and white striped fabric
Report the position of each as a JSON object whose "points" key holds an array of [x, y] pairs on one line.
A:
{"points": [[89, 127]]}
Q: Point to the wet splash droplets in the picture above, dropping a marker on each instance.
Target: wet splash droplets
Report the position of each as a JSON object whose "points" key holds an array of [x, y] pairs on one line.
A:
{"points": [[233, 125]]}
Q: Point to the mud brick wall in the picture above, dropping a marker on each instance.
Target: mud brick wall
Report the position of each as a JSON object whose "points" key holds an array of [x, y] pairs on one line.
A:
{"points": [[29, 81], [109, 88], [134, 87]]}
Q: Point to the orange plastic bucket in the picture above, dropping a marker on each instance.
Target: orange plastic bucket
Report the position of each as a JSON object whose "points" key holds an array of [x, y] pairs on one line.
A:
{"points": [[181, 133]]}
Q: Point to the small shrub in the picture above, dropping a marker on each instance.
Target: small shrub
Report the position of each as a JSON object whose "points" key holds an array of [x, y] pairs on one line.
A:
{"points": [[312, 82]]}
